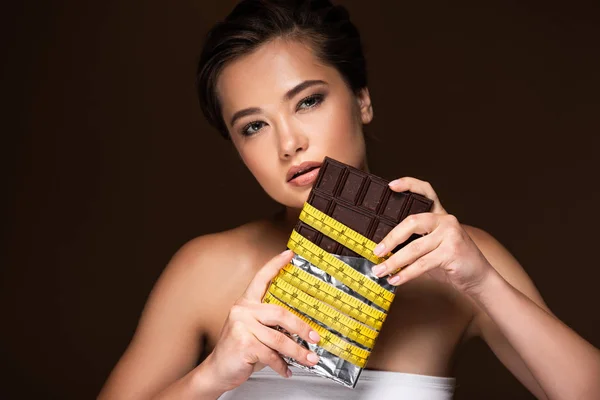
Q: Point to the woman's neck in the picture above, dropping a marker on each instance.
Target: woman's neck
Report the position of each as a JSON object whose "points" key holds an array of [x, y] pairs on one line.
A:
{"points": [[286, 218]]}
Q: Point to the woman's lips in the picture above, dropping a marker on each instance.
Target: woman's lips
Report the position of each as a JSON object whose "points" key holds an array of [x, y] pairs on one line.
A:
{"points": [[305, 179]]}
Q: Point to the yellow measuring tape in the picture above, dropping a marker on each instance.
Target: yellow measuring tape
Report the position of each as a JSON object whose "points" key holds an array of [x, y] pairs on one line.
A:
{"points": [[329, 341], [323, 313], [341, 271], [341, 233], [325, 303], [333, 296]]}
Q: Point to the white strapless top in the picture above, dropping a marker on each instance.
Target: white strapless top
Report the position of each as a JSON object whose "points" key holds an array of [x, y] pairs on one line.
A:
{"points": [[266, 384]]}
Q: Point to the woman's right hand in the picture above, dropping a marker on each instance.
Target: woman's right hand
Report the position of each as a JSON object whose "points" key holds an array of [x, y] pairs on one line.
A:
{"points": [[247, 342]]}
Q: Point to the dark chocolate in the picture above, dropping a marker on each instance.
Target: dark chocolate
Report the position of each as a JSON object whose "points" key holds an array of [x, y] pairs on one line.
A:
{"points": [[361, 201]]}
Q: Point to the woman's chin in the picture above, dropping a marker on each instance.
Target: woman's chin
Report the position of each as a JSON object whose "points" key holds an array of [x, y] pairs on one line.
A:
{"points": [[297, 202]]}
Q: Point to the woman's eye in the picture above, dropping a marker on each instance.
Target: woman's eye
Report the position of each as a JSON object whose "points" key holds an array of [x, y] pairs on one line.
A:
{"points": [[306, 103], [310, 101], [252, 128]]}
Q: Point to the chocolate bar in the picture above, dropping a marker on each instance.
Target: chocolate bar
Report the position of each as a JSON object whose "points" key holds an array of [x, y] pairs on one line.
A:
{"points": [[361, 201], [365, 203]]}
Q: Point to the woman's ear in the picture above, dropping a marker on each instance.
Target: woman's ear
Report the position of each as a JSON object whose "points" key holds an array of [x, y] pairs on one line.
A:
{"points": [[365, 106]]}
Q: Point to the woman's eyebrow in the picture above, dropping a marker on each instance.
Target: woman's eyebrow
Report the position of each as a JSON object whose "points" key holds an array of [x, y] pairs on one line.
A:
{"points": [[301, 86], [243, 113], [288, 96]]}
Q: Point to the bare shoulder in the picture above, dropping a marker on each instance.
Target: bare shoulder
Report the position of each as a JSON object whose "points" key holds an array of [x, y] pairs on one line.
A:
{"points": [[182, 294], [492, 249], [505, 263], [499, 257], [214, 267], [205, 261], [192, 293], [237, 245]]}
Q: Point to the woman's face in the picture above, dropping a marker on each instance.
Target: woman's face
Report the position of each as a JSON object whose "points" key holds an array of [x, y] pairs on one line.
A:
{"points": [[283, 107]]}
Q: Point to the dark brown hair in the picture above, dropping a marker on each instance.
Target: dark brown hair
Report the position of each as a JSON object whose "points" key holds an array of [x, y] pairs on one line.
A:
{"points": [[324, 26]]}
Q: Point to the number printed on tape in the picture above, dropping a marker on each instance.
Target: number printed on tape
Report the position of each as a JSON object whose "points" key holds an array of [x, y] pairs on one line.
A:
{"points": [[333, 296], [340, 270], [329, 341], [323, 313]]}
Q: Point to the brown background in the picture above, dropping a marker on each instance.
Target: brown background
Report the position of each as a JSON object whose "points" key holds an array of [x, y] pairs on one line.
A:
{"points": [[111, 167]]}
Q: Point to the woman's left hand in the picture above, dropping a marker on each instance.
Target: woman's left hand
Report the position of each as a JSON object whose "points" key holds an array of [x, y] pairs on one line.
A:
{"points": [[446, 252]]}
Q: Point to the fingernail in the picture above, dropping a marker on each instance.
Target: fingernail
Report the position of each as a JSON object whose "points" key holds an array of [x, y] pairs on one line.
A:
{"points": [[314, 336], [392, 183], [286, 252], [289, 373], [379, 250], [394, 279], [312, 357], [378, 269]]}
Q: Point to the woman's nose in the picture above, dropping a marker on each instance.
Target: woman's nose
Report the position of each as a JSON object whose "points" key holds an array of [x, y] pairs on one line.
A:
{"points": [[291, 141]]}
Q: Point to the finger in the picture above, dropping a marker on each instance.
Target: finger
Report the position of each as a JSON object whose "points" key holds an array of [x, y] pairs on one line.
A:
{"points": [[280, 342], [270, 357], [258, 286], [408, 255], [420, 187], [422, 223], [272, 315], [419, 267]]}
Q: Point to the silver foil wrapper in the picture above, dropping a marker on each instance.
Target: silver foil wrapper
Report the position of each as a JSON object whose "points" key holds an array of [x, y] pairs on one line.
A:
{"points": [[331, 366]]}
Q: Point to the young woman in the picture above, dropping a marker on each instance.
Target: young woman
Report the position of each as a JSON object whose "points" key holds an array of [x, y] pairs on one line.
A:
{"points": [[286, 82]]}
